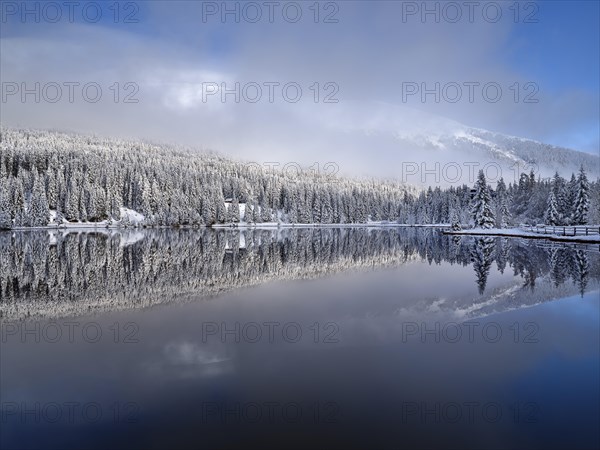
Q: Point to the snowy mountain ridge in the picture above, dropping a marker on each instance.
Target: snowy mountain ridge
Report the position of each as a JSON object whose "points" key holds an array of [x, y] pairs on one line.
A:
{"points": [[513, 154], [399, 135]]}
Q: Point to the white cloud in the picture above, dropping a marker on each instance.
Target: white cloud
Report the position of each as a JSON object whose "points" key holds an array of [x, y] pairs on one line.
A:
{"points": [[368, 54]]}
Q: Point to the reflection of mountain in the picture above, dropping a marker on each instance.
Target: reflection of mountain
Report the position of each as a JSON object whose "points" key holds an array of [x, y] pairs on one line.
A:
{"points": [[545, 273], [56, 275]]}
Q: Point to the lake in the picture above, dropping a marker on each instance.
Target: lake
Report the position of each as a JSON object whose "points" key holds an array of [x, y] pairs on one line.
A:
{"points": [[330, 338]]}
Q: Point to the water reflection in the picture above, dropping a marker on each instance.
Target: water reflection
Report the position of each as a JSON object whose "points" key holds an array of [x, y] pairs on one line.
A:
{"points": [[379, 352], [60, 273]]}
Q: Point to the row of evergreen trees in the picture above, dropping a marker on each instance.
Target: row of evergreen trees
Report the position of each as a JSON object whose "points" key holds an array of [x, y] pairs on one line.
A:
{"points": [[89, 179], [566, 204]]}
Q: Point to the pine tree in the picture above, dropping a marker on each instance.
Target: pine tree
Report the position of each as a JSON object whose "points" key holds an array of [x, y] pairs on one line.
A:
{"points": [[454, 213], [571, 199], [265, 214], [51, 189], [5, 214], [233, 212], [560, 194], [248, 212], [39, 212], [208, 209], [17, 201], [552, 215], [522, 196], [481, 209], [255, 212], [219, 202], [582, 199], [502, 211], [146, 199], [455, 220], [71, 208]]}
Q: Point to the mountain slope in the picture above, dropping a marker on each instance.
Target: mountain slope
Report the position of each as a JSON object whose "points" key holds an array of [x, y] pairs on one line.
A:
{"points": [[407, 143]]}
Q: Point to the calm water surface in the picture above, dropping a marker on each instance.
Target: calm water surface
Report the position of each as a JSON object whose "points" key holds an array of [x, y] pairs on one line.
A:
{"points": [[336, 338]]}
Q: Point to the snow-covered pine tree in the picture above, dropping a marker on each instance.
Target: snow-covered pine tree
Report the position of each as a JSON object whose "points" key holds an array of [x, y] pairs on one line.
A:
{"points": [[219, 201], [552, 214], [255, 212], [483, 215], [248, 211], [38, 212], [51, 189], [265, 214], [455, 220], [522, 196], [560, 193], [71, 207], [582, 199], [146, 200], [502, 212], [17, 201], [571, 198], [5, 214], [233, 212]]}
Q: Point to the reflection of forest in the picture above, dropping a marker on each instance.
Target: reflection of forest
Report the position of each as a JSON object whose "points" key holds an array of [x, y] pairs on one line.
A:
{"points": [[53, 274], [530, 262]]}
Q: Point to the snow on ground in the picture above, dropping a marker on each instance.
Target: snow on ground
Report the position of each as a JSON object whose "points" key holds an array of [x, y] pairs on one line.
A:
{"points": [[130, 216], [519, 232], [382, 224]]}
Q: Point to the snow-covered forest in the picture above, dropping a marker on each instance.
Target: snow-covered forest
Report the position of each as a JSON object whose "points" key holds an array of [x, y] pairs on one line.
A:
{"points": [[84, 179], [58, 178], [59, 273]]}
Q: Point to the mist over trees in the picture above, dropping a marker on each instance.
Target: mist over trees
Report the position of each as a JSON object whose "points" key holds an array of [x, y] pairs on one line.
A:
{"points": [[81, 179]]}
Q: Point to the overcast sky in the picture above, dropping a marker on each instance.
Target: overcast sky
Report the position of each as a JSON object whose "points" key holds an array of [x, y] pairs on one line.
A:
{"points": [[369, 56]]}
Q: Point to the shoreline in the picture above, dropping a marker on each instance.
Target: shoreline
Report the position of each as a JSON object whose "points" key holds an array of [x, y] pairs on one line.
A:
{"points": [[267, 225], [445, 229]]}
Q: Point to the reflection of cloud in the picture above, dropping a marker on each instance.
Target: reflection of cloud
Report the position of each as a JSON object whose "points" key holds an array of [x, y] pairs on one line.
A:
{"points": [[188, 360], [187, 353]]}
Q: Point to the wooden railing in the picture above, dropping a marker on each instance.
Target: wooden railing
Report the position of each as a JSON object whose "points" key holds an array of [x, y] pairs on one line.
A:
{"points": [[565, 231]]}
